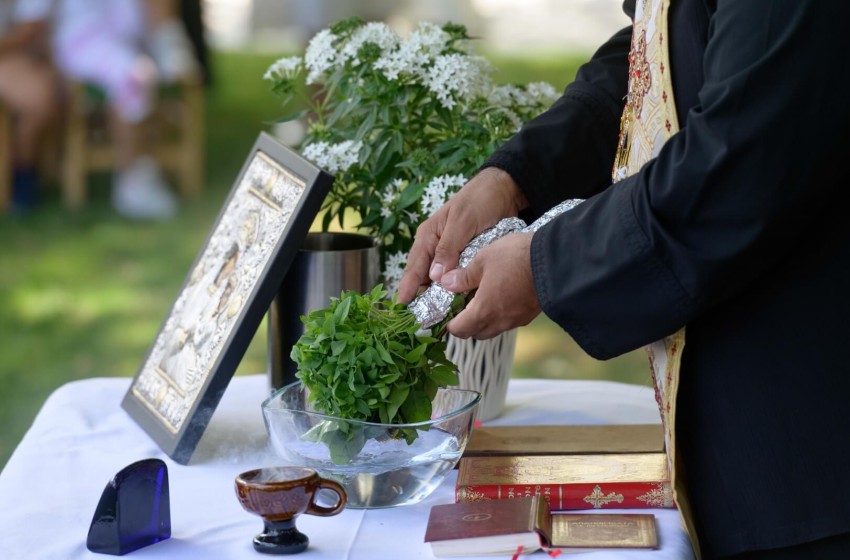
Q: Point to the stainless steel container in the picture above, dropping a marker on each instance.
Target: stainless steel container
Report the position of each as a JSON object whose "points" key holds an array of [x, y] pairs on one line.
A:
{"points": [[326, 265]]}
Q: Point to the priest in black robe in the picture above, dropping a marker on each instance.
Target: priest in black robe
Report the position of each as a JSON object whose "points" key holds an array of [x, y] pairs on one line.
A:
{"points": [[737, 230]]}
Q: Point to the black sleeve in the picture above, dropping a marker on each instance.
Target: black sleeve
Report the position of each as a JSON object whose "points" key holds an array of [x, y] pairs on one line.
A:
{"points": [[733, 193], [568, 151]]}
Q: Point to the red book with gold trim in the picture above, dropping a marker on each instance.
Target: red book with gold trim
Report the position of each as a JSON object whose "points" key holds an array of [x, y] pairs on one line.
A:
{"points": [[614, 495], [568, 482]]}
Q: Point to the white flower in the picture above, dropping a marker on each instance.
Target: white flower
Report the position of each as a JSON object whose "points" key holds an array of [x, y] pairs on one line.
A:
{"points": [[455, 77], [286, 67], [345, 155], [516, 121], [390, 195], [394, 270], [537, 95], [429, 38], [316, 152], [320, 55], [334, 158], [396, 62], [414, 55], [373, 32], [438, 192], [504, 96], [542, 92]]}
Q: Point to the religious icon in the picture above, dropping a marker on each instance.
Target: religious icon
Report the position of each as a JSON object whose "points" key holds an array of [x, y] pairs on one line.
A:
{"points": [[228, 290]]}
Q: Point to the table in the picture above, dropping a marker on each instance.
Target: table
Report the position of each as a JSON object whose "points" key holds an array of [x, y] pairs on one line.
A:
{"points": [[82, 437]]}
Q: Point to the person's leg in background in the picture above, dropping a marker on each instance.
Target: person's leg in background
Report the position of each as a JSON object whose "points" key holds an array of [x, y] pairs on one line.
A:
{"points": [[139, 189], [192, 14], [28, 90], [114, 56], [168, 42]]}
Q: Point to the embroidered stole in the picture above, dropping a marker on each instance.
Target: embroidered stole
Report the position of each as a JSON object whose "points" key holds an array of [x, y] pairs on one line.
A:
{"points": [[648, 120]]}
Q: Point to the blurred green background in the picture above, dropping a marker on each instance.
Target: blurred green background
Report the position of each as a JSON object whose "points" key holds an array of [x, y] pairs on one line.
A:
{"points": [[83, 294]]}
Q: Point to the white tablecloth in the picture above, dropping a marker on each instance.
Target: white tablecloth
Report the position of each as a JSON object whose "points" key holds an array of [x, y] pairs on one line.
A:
{"points": [[51, 485]]}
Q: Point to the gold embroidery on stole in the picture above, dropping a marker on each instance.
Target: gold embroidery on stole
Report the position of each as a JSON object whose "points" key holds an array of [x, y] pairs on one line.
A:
{"points": [[648, 121]]}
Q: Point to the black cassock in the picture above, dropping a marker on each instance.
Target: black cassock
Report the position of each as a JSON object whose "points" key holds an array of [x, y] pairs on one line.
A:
{"points": [[739, 229]]}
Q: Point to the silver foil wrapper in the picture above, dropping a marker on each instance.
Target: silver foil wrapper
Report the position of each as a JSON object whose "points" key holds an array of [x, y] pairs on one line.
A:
{"points": [[433, 305], [550, 214]]}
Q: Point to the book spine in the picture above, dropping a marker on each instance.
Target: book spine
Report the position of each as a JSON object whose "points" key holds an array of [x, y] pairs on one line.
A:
{"points": [[614, 495]]}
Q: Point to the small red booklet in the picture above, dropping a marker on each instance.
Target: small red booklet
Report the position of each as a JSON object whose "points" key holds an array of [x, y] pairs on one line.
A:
{"points": [[525, 524]]}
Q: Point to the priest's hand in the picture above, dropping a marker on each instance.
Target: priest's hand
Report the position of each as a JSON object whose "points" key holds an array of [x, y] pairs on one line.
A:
{"points": [[505, 296], [487, 198]]}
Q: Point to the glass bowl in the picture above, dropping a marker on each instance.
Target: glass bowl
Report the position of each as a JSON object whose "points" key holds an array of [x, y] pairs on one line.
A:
{"points": [[373, 462]]}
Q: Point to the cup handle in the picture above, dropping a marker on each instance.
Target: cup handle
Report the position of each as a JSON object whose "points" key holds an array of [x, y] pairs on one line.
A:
{"points": [[315, 509]]}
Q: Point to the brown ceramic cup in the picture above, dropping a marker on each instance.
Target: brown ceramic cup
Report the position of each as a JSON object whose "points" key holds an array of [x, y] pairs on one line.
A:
{"points": [[279, 495]]}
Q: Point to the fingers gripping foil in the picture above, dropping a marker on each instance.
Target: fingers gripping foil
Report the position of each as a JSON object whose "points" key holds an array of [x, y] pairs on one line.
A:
{"points": [[501, 229], [433, 305]]}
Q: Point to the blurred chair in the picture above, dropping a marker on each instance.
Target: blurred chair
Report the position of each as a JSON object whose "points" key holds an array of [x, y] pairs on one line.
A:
{"points": [[176, 129], [5, 160]]}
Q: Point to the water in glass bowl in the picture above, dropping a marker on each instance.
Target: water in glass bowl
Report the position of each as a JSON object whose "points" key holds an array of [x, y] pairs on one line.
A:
{"points": [[386, 471]]}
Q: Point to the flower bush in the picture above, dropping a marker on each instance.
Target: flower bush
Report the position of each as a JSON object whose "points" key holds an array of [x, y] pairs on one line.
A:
{"points": [[401, 123]]}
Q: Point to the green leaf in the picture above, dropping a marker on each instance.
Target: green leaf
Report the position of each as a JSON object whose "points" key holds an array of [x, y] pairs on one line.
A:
{"points": [[416, 354], [382, 353], [412, 193], [389, 223], [398, 396], [326, 220], [416, 408], [341, 312], [337, 347], [344, 449], [292, 116], [443, 376]]}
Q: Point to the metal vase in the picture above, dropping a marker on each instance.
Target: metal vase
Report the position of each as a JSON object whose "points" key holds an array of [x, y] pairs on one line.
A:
{"points": [[327, 264]]}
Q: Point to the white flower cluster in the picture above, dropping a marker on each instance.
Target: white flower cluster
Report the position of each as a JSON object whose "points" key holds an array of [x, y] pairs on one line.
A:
{"points": [[320, 55], [333, 158], [438, 192], [373, 32], [541, 93], [391, 195], [533, 95], [528, 99], [286, 67], [393, 270], [452, 77], [457, 76], [414, 55]]}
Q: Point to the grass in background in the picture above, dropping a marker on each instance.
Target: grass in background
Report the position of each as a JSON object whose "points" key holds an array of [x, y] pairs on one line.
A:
{"points": [[84, 294]]}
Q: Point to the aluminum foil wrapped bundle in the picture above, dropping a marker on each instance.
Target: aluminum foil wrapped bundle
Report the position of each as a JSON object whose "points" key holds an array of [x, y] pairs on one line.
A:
{"points": [[550, 214], [433, 305]]}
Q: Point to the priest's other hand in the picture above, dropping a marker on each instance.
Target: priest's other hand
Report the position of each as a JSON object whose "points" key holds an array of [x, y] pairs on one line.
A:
{"points": [[487, 198], [504, 298]]}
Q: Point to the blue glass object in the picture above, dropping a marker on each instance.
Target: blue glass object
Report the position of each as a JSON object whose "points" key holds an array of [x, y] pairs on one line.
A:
{"points": [[134, 510]]}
